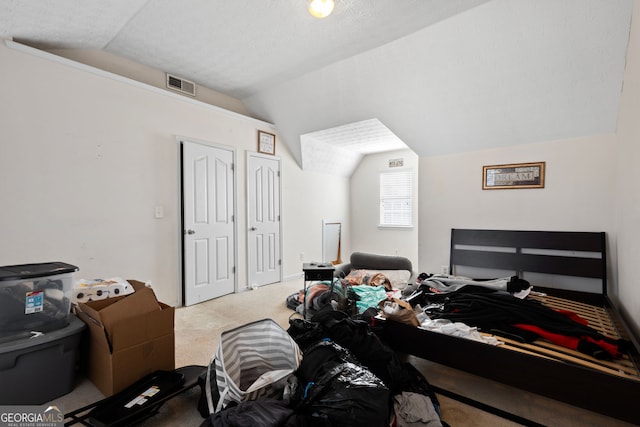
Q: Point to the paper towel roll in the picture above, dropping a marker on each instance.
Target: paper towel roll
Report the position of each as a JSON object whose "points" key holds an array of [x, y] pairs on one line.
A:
{"points": [[81, 295], [99, 292], [128, 289], [116, 290]]}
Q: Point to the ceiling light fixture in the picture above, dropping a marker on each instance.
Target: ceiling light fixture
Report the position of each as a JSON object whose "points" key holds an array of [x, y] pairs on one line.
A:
{"points": [[321, 8]]}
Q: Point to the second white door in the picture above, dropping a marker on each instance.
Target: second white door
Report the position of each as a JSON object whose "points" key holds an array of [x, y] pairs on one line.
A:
{"points": [[263, 220]]}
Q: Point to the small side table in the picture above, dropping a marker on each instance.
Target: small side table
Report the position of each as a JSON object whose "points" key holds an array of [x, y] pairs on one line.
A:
{"points": [[315, 272]]}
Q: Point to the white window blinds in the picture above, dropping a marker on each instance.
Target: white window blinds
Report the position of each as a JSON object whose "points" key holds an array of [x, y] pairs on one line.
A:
{"points": [[396, 190]]}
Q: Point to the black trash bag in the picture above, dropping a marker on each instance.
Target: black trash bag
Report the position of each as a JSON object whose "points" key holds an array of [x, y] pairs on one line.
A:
{"points": [[320, 358], [364, 347], [304, 332], [357, 336], [348, 395], [336, 390]]}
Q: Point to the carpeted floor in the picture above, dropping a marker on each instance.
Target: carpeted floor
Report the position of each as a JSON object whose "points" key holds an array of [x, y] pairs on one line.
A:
{"points": [[198, 327]]}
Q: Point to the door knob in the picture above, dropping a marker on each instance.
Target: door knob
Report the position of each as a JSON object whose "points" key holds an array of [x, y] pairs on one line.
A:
{"points": [[253, 229], [190, 231]]}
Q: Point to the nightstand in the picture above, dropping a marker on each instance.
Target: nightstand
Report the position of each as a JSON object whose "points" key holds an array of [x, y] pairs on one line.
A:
{"points": [[315, 271]]}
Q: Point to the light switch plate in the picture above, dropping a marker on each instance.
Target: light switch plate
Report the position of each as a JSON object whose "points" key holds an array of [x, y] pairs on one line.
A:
{"points": [[159, 212]]}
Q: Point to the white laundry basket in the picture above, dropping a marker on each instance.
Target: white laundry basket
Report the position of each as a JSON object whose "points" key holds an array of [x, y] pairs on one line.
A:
{"points": [[252, 361]]}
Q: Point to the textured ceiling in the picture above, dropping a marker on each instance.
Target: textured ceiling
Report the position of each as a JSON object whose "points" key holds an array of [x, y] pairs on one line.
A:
{"points": [[442, 75], [237, 47], [338, 150], [372, 137], [501, 74]]}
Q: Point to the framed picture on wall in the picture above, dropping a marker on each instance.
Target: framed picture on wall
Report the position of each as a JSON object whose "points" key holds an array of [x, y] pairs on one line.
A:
{"points": [[517, 175], [266, 143]]}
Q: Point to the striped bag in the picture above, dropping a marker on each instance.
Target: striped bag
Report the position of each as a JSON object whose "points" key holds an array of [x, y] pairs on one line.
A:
{"points": [[252, 361]]}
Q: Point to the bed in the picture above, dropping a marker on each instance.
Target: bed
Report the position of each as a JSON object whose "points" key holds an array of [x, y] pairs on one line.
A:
{"points": [[569, 270]]}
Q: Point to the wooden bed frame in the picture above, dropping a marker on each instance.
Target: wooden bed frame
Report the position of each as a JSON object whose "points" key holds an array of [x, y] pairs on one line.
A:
{"points": [[571, 378]]}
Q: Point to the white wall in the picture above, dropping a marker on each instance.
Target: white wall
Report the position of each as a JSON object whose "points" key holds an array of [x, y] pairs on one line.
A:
{"points": [[85, 158], [578, 194], [310, 198], [627, 206], [366, 236]]}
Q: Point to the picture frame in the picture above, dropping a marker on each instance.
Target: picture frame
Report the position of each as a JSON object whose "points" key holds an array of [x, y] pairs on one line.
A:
{"points": [[513, 176], [266, 143]]}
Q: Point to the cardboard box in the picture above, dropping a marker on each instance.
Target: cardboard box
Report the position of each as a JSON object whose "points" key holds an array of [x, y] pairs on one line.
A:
{"points": [[129, 337]]}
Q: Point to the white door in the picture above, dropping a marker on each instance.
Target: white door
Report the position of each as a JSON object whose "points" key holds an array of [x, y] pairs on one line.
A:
{"points": [[263, 219], [208, 229]]}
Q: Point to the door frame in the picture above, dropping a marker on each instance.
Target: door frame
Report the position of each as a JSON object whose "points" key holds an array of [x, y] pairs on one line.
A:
{"points": [[250, 154], [180, 225]]}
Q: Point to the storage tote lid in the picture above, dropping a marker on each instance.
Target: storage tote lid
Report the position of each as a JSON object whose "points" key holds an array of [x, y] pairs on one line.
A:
{"points": [[28, 271]]}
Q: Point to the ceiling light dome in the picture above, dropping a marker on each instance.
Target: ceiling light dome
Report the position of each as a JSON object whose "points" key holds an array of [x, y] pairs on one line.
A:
{"points": [[321, 8]]}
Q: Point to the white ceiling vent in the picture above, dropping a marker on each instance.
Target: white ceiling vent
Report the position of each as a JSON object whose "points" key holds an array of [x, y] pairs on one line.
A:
{"points": [[181, 85]]}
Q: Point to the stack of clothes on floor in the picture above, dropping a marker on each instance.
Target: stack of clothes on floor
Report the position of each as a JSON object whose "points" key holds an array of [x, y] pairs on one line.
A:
{"points": [[346, 377], [356, 293]]}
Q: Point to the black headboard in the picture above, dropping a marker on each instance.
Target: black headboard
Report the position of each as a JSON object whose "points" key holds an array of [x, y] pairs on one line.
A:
{"points": [[549, 252]]}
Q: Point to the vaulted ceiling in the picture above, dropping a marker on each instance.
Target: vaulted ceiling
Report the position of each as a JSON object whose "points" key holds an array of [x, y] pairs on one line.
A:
{"points": [[442, 76]]}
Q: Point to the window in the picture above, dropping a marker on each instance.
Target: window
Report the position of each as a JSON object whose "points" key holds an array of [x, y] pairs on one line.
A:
{"points": [[396, 190]]}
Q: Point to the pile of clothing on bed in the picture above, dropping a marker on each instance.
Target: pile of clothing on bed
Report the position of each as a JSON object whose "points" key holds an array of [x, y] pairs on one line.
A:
{"points": [[501, 307], [481, 310]]}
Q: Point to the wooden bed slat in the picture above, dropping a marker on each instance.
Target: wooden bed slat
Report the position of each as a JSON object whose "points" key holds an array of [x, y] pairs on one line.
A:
{"points": [[565, 357], [598, 317], [619, 365]]}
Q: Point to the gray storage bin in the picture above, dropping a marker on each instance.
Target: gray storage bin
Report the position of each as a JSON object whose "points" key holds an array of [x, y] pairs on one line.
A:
{"points": [[36, 370]]}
